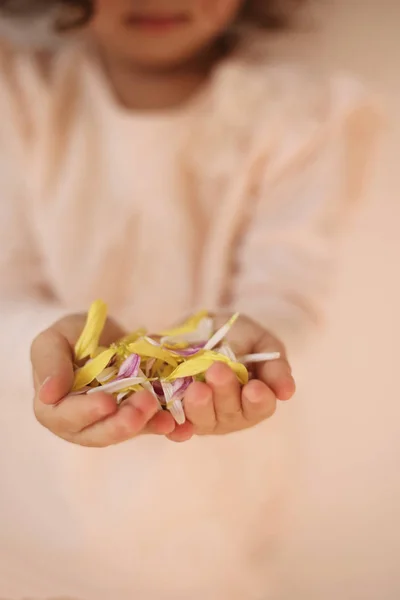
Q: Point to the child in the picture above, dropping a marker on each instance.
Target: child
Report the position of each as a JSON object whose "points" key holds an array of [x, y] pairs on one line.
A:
{"points": [[150, 161]]}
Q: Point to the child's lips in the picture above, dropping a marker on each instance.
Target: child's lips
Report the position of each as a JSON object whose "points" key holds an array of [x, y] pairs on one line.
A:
{"points": [[156, 23]]}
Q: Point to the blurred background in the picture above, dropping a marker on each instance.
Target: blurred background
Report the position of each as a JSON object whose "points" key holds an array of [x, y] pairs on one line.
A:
{"points": [[346, 543]]}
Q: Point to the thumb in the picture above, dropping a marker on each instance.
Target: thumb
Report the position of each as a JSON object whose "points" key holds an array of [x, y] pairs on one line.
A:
{"points": [[244, 335], [52, 364]]}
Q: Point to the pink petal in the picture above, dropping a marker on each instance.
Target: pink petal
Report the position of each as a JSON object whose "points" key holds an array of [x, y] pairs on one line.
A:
{"points": [[174, 394], [130, 367], [191, 351], [158, 388], [179, 387]]}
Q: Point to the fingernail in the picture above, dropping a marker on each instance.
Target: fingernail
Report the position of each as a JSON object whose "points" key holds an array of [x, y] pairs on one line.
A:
{"points": [[287, 390], [254, 399], [254, 396], [44, 386]]}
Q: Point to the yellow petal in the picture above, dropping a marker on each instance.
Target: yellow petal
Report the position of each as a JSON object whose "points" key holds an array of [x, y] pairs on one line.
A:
{"points": [[176, 345], [200, 364], [146, 349], [137, 388], [92, 370], [187, 327], [89, 339], [155, 367], [240, 371], [132, 337], [165, 371], [99, 350]]}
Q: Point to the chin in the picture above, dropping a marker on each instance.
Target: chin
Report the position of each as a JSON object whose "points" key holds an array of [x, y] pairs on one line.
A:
{"points": [[159, 57]]}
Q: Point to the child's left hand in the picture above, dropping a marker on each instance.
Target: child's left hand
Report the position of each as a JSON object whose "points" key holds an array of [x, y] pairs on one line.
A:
{"points": [[221, 405]]}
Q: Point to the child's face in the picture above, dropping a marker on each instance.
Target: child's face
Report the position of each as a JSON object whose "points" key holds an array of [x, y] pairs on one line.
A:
{"points": [[160, 33]]}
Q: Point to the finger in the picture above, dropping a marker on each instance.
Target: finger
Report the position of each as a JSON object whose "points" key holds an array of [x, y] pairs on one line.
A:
{"points": [[129, 421], [258, 401], [199, 407], [182, 433], [52, 365], [75, 413], [277, 374], [162, 423], [226, 393]]}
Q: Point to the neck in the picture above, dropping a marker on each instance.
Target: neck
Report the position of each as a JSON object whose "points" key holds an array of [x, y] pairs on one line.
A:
{"points": [[138, 88]]}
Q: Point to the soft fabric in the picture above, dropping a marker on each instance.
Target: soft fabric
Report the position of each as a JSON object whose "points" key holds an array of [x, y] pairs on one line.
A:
{"points": [[233, 201]]}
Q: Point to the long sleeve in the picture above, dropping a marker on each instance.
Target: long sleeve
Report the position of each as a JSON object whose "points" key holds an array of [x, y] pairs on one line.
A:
{"points": [[285, 259], [25, 307]]}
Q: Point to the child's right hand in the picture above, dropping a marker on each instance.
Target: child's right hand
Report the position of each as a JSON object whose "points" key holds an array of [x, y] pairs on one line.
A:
{"points": [[94, 420]]}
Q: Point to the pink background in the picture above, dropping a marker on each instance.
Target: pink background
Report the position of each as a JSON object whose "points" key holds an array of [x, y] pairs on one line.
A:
{"points": [[347, 541]]}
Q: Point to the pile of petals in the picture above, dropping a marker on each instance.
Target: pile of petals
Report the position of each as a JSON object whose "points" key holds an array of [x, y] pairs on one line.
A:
{"points": [[164, 364]]}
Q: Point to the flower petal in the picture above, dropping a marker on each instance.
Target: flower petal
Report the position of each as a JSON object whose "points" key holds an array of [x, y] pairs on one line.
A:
{"points": [[149, 366], [92, 369], [261, 357], [221, 333], [146, 349], [203, 331], [132, 337], [227, 351], [121, 397], [177, 411], [191, 368], [174, 393], [148, 387], [188, 351], [130, 367], [187, 327], [89, 339], [200, 365], [107, 374], [118, 386]]}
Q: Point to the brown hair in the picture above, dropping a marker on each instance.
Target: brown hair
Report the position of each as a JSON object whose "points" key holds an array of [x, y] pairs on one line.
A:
{"points": [[270, 14]]}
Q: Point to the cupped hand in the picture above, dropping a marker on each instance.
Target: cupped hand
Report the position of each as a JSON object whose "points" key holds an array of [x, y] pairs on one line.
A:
{"points": [[88, 420], [221, 405]]}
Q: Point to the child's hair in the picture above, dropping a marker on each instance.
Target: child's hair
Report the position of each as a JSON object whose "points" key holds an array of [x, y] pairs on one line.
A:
{"points": [[271, 14]]}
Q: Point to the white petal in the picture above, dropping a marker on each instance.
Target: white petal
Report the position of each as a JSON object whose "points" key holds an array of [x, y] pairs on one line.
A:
{"points": [[118, 386], [176, 410], [221, 333], [149, 388], [201, 334], [175, 407], [122, 397], [107, 374], [205, 329], [168, 390], [151, 341], [261, 357], [227, 351]]}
